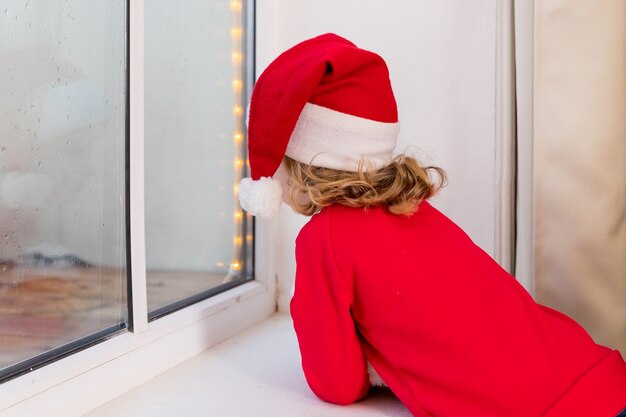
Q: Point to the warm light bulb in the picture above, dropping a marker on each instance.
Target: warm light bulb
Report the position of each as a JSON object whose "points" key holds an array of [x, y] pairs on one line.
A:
{"points": [[237, 84], [238, 137], [238, 215], [236, 266], [238, 240], [239, 163], [235, 5], [236, 188], [235, 33], [237, 57], [237, 110]]}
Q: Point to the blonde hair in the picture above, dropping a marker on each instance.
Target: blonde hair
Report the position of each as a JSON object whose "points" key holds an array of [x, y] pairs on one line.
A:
{"points": [[400, 186]]}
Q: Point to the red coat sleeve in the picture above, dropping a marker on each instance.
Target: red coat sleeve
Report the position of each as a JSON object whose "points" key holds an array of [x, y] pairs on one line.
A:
{"points": [[332, 358]]}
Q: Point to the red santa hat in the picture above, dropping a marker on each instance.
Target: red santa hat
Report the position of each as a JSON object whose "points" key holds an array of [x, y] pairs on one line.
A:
{"points": [[324, 101]]}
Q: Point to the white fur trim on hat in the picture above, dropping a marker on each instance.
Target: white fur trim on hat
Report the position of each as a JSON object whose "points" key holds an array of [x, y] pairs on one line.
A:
{"points": [[261, 197], [339, 141]]}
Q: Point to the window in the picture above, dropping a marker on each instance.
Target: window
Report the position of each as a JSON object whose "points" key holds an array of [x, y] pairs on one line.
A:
{"points": [[62, 203], [76, 83], [197, 237]]}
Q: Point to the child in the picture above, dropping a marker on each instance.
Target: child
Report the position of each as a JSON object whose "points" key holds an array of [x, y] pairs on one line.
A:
{"points": [[383, 277]]}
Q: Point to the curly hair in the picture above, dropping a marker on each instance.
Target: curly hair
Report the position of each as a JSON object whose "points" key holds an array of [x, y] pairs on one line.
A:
{"points": [[400, 186]]}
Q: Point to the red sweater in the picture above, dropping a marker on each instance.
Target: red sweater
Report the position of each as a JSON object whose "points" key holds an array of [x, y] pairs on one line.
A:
{"points": [[449, 331]]}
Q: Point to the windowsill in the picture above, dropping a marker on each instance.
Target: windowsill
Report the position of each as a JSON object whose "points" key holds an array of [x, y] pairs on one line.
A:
{"points": [[131, 359], [256, 373]]}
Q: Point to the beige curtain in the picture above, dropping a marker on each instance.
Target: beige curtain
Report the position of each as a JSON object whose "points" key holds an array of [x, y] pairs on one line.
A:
{"points": [[580, 163]]}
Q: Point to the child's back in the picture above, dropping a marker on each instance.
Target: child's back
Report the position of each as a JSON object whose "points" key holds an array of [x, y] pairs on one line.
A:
{"points": [[443, 324]]}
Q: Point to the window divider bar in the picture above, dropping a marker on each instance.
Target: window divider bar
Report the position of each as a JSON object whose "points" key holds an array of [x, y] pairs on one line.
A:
{"points": [[138, 299]]}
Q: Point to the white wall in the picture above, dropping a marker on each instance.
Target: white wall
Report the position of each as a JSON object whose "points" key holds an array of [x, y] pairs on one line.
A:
{"points": [[441, 58]]}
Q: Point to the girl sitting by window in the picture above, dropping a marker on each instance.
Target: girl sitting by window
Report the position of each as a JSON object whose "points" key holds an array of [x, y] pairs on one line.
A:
{"points": [[384, 278]]}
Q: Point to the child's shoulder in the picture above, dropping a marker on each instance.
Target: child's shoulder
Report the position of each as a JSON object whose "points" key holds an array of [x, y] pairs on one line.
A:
{"points": [[320, 223], [317, 225]]}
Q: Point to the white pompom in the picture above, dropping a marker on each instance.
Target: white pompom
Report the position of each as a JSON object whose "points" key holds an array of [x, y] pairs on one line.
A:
{"points": [[261, 197]]}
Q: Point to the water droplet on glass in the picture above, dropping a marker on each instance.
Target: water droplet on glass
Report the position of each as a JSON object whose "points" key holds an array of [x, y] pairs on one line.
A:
{"points": [[75, 214], [6, 11], [4, 148], [39, 163]]}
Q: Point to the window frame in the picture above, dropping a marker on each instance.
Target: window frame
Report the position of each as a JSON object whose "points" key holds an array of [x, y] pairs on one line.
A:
{"points": [[131, 358]]}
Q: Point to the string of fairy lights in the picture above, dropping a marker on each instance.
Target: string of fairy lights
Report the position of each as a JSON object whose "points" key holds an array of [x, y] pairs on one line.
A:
{"points": [[236, 32]]}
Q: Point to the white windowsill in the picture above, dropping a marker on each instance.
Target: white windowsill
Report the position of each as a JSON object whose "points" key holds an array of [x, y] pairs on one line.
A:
{"points": [[109, 369], [255, 373]]}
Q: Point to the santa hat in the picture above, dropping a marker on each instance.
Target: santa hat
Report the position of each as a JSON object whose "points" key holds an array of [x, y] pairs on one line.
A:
{"points": [[324, 101]]}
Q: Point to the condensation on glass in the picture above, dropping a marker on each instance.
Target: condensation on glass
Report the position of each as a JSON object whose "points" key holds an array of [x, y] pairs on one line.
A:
{"points": [[197, 238], [62, 136]]}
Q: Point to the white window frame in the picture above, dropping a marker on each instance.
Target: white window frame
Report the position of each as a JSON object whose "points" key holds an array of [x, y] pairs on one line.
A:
{"points": [[87, 379]]}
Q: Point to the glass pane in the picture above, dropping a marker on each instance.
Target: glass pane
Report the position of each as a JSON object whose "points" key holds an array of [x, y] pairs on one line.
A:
{"points": [[62, 136], [194, 123]]}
